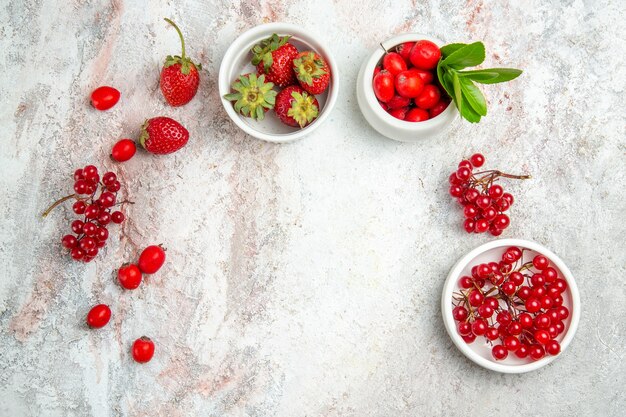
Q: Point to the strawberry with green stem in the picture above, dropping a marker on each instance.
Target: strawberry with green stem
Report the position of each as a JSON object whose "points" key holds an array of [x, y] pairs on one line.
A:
{"points": [[179, 77], [253, 96], [274, 57], [295, 107], [312, 72]]}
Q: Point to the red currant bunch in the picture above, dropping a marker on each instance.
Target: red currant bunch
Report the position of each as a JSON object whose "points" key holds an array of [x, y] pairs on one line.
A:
{"points": [[96, 201], [516, 306], [484, 202]]}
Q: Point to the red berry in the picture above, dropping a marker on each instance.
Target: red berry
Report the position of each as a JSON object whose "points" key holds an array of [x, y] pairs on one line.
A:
{"points": [[103, 98], [501, 221], [532, 305], [496, 191], [469, 225], [69, 241], [151, 259], [383, 85], [540, 262], [80, 187], [102, 234], [475, 298], [512, 343], [79, 207], [553, 347], [123, 150], [464, 328], [514, 328], [397, 102], [425, 55], [92, 211], [90, 229], [143, 349], [408, 83], [542, 336], [117, 217], [77, 254], [98, 316], [499, 352], [479, 327], [129, 276], [482, 225], [477, 160], [399, 113], [563, 312], [416, 115], [459, 313], [463, 173], [104, 218], [428, 97], [438, 108], [394, 63], [404, 49], [536, 352], [522, 351]]}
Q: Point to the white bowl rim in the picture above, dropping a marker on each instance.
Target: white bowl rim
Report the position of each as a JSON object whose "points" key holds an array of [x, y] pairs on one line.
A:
{"points": [[371, 99], [260, 32], [446, 305]]}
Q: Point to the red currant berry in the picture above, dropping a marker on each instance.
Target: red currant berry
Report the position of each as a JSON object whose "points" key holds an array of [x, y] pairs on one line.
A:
{"points": [[537, 280], [465, 163], [454, 180], [494, 230], [78, 174], [485, 311], [483, 201], [504, 318], [77, 226], [546, 302], [463, 173], [114, 186], [470, 211], [479, 327], [469, 225], [469, 339], [560, 284], [90, 172], [502, 205], [102, 234], [525, 320], [465, 282], [524, 292], [101, 243], [117, 217], [563, 312], [514, 328], [92, 211], [512, 343], [459, 313], [98, 316], [499, 352], [87, 244], [512, 254], [143, 349], [509, 198], [557, 301], [464, 328], [108, 178], [69, 241], [542, 336], [508, 288], [553, 331], [483, 271], [550, 274], [489, 213], [516, 278], [477, 160], [492, 302], [496, 191], [536, 352], [92, 252], [456, 191], [492, 333], [79, 207], [471, 194], [553, 348], [77, 254], [501, 221], [475, 298], [90, 229], [542, 321], [540, 262], [560, 327], [80, 187], [522, 351], [104, 218], [107, 199], [532, 305]]}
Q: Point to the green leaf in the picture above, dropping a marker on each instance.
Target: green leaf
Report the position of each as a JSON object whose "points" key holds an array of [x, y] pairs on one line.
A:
{"points": [[447, 50], [492, 75], [458, 97], [473, 96], [466, 56], [468, 113]]}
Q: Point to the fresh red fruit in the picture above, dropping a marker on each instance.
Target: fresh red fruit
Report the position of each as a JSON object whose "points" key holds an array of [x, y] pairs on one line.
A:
{"points": [[397, 102], [129, 276], [553, 347], [499, 352], [394, 63], [428, 97], [143, 349], [383, 105], [383, 86], [541, 262], [162, 135], [312, 72], [103, 98], [404, 49], [117, 217], [98, 316], [69, 241], [438, 108], [425, 55], [376, 71], [253, 96], [179, 77], [151, 259], [295, 107], [409, 83], [123, 150], [416, 115], [274, 57], [399, 113], [426, 76], [477, 161]]}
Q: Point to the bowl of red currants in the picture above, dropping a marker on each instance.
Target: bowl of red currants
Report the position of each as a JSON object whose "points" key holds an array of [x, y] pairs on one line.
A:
{"points": [[511, 306], [398, 89]]}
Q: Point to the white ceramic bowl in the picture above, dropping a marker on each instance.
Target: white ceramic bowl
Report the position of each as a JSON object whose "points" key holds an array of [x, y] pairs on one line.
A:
{"points": [[382, 121], [479, 351], [236, 61]]}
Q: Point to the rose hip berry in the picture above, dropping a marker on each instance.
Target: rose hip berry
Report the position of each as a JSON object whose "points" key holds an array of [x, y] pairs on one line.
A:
{"points": [[129, 276], [103, 98], [143, 349], [509, 304], [151, 259], [123, 150], [484, 202], [98, 316]]}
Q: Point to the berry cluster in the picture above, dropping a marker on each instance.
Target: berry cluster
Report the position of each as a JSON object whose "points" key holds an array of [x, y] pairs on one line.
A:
{"points": [[516, 306], [90, 234], [484, 202]]}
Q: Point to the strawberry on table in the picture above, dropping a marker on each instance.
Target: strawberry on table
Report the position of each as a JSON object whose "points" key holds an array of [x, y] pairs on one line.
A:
{"points": [[253, 96], [274, 57], [162, 135], [295, 107], [179, 77], [312, 72]]}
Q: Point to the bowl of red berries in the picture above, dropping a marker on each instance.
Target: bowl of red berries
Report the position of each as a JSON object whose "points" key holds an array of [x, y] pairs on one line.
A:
{"points": [[398, 90], [278, 82], [511, 306]]}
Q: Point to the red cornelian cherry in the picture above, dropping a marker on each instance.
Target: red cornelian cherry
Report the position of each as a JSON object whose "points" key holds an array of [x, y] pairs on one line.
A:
{"points": [[130, 276], [98, 316], [143, 349]]}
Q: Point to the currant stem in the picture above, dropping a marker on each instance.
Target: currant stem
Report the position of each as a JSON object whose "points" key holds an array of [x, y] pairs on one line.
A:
{"points": [[180, 35], [56, 203]]}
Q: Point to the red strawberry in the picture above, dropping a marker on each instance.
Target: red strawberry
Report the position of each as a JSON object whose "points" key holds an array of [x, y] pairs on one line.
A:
{"points": [[274, 58], [162, 135], [179, 77], [312, 72], [295, 107], [253, 96]]}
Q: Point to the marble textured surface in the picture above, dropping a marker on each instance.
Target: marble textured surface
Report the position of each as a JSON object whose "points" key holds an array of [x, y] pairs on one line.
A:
{"points": [[302, 279]]}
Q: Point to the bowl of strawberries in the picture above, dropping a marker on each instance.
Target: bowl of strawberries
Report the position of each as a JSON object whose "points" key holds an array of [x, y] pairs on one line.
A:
{"points": [[398, 90], [278, 82]]}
